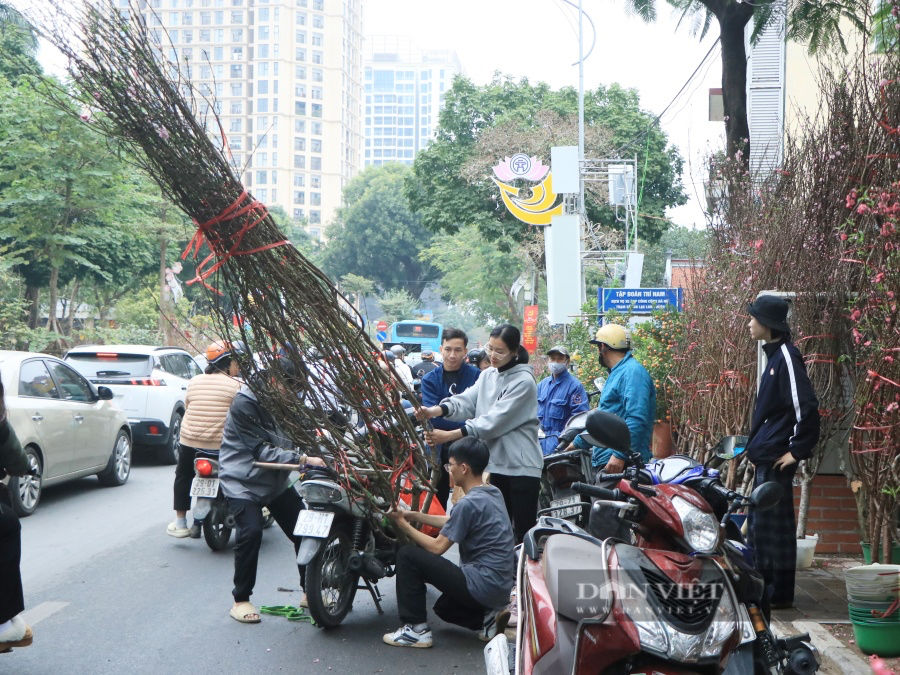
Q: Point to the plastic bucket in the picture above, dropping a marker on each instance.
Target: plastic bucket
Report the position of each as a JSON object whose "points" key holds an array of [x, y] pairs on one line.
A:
{"points": [[805, 550], [877, 638]]}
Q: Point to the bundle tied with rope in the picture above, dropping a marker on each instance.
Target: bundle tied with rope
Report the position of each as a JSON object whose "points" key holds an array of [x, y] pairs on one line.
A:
{"points": [[287, 309]]}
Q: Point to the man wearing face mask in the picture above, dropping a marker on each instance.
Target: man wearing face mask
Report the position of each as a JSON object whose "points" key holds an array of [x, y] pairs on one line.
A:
{"points": [[559, 397], [629, 393]]}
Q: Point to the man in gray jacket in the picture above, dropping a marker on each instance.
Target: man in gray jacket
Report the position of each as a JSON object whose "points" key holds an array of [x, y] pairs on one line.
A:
{"points": [[252, 435], [501, 409]]}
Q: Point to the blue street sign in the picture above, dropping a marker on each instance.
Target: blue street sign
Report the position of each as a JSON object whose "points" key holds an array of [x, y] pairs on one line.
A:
{"points": [[381, 336], [638, 300]]}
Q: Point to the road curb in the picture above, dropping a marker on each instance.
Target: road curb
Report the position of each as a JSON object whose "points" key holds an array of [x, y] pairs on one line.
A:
{"points": [[833, 650]]}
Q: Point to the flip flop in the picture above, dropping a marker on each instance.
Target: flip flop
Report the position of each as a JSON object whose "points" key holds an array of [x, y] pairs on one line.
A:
{"points": [[25, 641], [242, 610]]}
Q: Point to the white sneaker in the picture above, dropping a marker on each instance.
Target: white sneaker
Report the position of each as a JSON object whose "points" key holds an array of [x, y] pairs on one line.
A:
{"points": [[407, 637], [180, 532], [495, 622]]}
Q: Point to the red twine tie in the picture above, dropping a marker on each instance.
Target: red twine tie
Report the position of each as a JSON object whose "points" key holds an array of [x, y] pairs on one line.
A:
{"points": [[225, 247]]}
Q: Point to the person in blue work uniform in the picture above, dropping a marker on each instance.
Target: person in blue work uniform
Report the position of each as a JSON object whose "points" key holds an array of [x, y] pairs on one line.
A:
{"points": [[559, 397], [629, 393], [452, 377]]}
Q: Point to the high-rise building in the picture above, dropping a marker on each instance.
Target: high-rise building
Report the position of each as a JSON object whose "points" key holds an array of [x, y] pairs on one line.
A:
{"points": [[285, 78], [404, 94]]}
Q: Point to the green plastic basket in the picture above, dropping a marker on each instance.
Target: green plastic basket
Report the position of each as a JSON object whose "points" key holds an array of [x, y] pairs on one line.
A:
{"points": [[873, 637]]}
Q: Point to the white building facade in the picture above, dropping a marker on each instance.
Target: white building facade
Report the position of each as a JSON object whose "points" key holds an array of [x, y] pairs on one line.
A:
{"points": [[285, 78], [404, 93]]}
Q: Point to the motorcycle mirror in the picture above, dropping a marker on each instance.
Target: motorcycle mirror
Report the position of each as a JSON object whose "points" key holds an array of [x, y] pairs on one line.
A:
{"points": [[730, 447], [610, 431], [767, 495]]}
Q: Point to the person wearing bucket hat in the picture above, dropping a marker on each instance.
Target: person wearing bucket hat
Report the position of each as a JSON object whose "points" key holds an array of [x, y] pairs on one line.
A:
{"points": [[559, 397], [784, 430]]}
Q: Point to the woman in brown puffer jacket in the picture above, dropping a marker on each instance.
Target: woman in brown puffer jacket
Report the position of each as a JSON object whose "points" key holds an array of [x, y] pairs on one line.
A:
{"points": [[207, 400]]}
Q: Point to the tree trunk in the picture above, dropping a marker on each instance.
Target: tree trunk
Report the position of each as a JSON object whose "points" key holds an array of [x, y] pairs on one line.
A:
{"points": [[733, 18], [33, 296], [73, 306], [803, 510], [52, 323]]}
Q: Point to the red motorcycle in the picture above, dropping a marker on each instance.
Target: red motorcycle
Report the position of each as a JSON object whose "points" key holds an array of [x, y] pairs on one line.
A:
{"points": [[664, 605]]}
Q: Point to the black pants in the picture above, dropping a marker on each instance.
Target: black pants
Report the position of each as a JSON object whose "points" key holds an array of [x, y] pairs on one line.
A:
{"points": [[443, 484], [417, 567], [12, 601], [520, 494], [184, 474], [604, 522], [773, 535], [248, 537]]}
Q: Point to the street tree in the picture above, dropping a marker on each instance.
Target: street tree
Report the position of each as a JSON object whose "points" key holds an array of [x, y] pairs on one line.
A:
{"points": [[397, 305], [61, 184], [817, 23], [478, 274], [451, 184], [375, 235]]}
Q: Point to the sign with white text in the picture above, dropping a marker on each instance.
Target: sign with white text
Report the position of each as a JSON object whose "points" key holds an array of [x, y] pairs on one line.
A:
{"points": [[638, 300]]}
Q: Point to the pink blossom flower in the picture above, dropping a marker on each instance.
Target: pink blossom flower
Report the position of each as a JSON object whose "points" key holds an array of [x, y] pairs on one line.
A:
{"points": [[855, 314], [843, 236], [862, 209], [163, 133]]}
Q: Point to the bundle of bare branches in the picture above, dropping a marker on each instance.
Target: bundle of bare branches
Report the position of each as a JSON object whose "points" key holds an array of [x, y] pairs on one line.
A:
{"points": [[265, 292]]}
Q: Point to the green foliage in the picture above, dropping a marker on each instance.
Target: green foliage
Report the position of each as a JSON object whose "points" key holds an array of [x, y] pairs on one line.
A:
{"points": [[397, 305], [295, 231], [375, 235], [885, 35], [451, 185], [18, 45], [139, 309], [478, 274], [684, 242], [654, 343]]}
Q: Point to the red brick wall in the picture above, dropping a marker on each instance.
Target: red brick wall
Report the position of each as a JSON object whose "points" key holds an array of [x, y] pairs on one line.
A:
{"points": [[832, 515]]}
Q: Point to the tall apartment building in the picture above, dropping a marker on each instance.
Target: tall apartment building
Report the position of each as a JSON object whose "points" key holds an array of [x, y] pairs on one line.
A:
{"points": [[285, 77], [404, 93]]}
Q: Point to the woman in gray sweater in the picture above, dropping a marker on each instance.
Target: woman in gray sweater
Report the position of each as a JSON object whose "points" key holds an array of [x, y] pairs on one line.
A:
{"points": [[501, 410]]}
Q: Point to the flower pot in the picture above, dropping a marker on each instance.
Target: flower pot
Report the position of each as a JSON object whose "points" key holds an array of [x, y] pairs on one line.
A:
{"points": [[867, 553], [806, 548], [662, 444]]}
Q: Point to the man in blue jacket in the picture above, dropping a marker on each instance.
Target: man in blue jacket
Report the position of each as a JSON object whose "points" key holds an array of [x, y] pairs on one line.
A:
{"points": [[629, 392], [784, 430], [559, 397], [452, 377]]}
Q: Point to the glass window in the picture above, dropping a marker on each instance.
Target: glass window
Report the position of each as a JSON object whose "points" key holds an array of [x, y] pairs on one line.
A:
{"points": [[35, 381], [205, 18], [299, 161], [187, 18], [317, 75], [220, 18], [262, 51], [301, 37], [262, 86], [300, 54], [262, 33], [237, 53], [318, 21], [317, 93], [300, 126], [71, 385], [300, 90], [237, 17], [262, 105], [300, 72], [300, 144], [237, 89], [299, 107], [315, 163], [299, 197], [262, 14], [315, 145], [317, 128], [262, 70], [262, 141], [315, 198], [316, 181], [237, 107], [316, 109], [262, 177], [237, 34], [237, 71], [317, 40], [315, 217], [317, 58], [205, 35], [299, 180], [318, 5]]}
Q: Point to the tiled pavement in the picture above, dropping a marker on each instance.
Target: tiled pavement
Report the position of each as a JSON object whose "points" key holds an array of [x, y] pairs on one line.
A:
{"points": [[821, 594]]}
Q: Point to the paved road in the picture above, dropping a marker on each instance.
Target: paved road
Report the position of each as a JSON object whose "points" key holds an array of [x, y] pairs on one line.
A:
{"points": [[108, 592]]}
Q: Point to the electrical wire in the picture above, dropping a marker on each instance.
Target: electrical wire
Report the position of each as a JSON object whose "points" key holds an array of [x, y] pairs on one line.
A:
{"points": [[642, 135]]}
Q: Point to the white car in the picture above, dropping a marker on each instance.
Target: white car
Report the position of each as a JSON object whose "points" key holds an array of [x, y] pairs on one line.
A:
{"points": [[149, 383], [68, 427]]}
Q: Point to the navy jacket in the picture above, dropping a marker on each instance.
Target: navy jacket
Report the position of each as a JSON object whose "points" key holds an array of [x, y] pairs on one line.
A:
{"points": [[434, 391], [786, 417]]}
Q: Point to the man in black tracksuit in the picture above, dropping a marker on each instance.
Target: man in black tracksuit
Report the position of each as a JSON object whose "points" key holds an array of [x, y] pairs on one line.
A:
{"points": [[784, 430]]}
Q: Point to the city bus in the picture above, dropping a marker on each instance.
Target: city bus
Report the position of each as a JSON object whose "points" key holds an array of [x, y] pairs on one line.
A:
{"points": [[425, 334]]}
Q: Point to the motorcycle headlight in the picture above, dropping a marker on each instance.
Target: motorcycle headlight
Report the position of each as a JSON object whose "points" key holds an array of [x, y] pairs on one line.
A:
{"points": [[723, 626], [652, 634], [701, 530], [319, 493]]}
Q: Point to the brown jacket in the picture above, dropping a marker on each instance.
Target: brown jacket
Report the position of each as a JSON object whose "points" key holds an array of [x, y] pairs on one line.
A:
{"points": [[208, 399]]}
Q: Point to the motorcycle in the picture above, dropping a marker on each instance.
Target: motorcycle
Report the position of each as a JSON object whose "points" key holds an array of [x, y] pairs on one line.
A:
{"points": [[209, 504], [667, 604], [339, 546]]}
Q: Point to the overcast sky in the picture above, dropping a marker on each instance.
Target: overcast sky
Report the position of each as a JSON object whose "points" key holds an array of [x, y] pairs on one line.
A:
{"points": [[538, 39]]}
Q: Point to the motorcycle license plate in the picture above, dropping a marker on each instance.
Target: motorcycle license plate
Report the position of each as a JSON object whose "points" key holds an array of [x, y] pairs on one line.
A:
{"points": [[204, 487], [314, 523], [566, 512]]}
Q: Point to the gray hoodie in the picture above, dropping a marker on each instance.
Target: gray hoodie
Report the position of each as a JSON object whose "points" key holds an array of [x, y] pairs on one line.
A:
{"points": [[501, 409], [252, 435]]}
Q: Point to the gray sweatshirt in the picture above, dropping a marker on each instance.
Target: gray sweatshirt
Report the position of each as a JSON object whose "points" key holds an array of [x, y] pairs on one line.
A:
{"points": [[252, 435], [501, 410]]}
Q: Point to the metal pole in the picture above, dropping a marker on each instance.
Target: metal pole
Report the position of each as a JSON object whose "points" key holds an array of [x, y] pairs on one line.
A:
{"points": [[580, 105]]}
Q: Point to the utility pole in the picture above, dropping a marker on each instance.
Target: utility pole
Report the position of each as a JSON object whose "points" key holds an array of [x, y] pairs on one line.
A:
{"points": [[581, 209]]}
